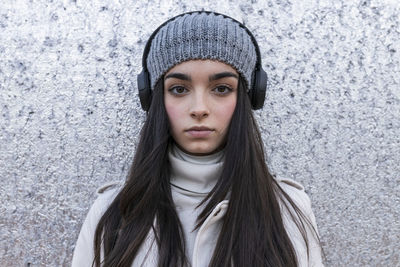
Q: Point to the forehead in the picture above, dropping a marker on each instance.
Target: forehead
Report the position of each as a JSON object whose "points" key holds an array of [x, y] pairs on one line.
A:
{"points": [[201, 66]]}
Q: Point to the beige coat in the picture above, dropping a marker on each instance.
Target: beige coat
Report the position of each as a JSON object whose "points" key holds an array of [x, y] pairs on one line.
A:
{"points": [[206, 237]]}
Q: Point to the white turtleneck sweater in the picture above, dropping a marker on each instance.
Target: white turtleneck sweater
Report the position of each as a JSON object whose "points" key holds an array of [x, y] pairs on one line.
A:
{"points": [[192, 178]]}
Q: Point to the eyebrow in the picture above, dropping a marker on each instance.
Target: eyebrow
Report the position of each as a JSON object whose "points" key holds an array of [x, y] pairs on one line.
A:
{"points": [[211, 78]]}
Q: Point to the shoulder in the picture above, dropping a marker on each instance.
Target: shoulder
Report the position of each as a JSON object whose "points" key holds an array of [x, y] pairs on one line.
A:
{"points": [[296, 192], [105, 195]]}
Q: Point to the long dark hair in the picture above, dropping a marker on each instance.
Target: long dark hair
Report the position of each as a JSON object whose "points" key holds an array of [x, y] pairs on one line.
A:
{"points": [[253, 232]]}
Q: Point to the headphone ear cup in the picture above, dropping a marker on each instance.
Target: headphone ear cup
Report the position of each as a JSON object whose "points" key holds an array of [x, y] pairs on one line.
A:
{"points": [[145, 94], [257, 94]]}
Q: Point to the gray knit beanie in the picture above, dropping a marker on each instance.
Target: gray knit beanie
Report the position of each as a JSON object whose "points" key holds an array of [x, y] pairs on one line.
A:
{"points": [[201, 36]]}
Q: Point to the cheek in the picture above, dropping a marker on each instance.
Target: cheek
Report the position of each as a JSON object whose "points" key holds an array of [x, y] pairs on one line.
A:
{"points": [[226, 112], [173, 113]]}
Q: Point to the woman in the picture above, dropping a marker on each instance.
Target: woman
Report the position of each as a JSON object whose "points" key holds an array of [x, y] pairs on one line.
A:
{"points": [[199, 192]]}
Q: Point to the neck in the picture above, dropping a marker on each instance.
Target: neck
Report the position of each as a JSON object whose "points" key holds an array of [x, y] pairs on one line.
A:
{"points": [[197, 174]]}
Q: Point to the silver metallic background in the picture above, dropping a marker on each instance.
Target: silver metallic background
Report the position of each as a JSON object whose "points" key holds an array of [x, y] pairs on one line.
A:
{"points": [[70, 116]]}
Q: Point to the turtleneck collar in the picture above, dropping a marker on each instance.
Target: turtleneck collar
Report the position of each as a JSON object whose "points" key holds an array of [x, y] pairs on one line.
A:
{"points": [[195, 174]]}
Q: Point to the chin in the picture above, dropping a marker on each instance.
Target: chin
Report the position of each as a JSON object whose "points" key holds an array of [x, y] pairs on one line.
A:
{"points": [[201, 150]]}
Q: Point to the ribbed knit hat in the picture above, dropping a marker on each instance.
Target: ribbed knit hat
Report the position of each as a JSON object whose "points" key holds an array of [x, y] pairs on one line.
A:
{"points": [[201, 35]]}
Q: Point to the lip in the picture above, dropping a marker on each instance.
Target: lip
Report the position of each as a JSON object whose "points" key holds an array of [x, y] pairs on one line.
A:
{"points": [[199, 131], [199, 128]]}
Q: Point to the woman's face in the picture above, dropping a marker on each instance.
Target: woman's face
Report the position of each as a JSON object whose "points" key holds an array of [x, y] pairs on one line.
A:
{"points": [[200, 98]]}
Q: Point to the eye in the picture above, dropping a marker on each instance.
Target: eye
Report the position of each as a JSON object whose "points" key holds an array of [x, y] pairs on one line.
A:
{"points": [[222, 89], [178, 90]]}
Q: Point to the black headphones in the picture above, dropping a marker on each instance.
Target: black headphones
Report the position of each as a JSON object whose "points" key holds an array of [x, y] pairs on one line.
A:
{"points": [[259, 76]]}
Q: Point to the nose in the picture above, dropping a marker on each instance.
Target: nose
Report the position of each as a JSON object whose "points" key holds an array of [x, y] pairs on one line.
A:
{"points": [[199, 108]]}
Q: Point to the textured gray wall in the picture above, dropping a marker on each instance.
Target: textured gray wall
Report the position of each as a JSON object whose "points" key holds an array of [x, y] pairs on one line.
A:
{"points": [[70, 118]]}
